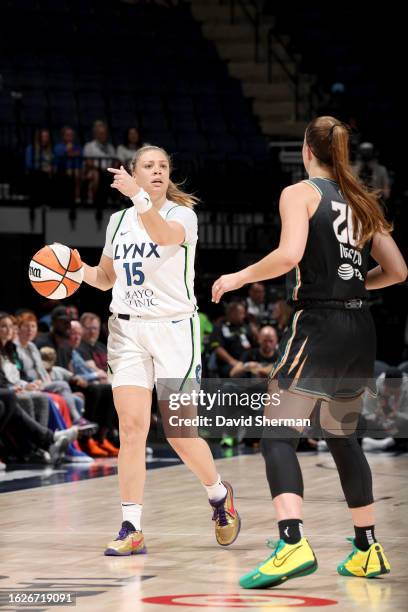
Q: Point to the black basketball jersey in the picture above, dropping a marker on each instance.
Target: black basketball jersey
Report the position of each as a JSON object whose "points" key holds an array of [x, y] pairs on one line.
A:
{"points": [[332, 267]]}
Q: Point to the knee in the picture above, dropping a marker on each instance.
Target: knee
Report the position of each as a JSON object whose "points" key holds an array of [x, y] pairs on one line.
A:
{"points": [[178, 444], [132, 433], [272, 447]]}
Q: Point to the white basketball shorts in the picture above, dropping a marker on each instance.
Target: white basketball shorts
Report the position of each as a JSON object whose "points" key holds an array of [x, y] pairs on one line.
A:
{"points": [[141, 352]]}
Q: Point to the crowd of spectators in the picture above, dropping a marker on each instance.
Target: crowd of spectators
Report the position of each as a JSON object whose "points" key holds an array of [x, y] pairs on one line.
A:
{"points": [[54, 384], [55, 393], [81, 168]]}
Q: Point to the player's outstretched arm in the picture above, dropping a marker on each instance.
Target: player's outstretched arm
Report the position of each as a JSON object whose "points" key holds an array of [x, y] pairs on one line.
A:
{"points": [[293, 207], [101, 276], [392, 268]]}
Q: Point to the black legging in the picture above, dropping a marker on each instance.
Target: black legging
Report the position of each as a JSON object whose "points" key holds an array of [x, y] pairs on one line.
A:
{"points": [[285, 476], [99, 406]]}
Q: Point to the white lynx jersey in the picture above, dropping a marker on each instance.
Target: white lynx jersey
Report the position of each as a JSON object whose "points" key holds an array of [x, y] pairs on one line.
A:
{"points": [[153, 282]]}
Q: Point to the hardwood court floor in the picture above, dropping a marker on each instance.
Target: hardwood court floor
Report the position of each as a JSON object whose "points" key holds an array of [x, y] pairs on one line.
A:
{"points": [[52, 538]]}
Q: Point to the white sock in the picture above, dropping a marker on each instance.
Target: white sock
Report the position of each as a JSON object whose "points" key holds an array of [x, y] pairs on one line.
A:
{"points": [[132, 513], [216, 491]]}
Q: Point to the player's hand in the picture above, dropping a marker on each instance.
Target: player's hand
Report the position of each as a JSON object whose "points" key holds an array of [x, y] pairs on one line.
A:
{"points": [[123, 182], [227, 282]]}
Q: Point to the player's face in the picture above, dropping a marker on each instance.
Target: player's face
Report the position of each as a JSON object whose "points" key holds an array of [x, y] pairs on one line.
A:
{"points": [[152, 173]]}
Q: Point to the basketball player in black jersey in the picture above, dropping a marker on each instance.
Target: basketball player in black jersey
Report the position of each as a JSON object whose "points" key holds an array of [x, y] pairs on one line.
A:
{"points": [[331, 225]]}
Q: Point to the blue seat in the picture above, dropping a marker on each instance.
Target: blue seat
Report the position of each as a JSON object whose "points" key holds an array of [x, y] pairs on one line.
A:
{"points": [[192, 142]]}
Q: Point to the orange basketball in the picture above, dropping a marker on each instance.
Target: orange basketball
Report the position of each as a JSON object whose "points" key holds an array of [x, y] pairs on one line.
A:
{"points": [[56, 272]]}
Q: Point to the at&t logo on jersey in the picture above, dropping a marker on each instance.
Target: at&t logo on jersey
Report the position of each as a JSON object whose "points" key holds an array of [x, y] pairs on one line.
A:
{"points": [[347, 272]]}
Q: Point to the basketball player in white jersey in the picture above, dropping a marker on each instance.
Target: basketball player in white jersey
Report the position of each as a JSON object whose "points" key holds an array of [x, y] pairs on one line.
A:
{"points": [[148, 261]]}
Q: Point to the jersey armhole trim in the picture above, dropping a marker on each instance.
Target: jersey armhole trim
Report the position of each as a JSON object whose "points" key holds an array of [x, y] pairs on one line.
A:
{"points": [[312, 184], [118, 225], [319, 191]]}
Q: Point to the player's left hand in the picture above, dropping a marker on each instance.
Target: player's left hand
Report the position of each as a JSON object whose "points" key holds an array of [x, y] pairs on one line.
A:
{"points": [[227, 282], [123, 182]]}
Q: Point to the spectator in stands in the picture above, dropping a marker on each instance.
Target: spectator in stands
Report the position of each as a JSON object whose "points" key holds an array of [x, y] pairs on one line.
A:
{"points": [[14, 333], [68, 159], [230, 339], [258, 362], [59, 374], [91, 349], [31, 399], [72, 312], [280, 316], [370, 171], [386, 415], [257, 310], [80, 367], [23, 438], [99, 154], [34, 369], [57, 337], [132, 142], [39, 156], [99, 399]]}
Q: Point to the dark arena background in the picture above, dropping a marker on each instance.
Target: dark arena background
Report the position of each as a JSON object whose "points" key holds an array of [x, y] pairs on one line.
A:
{"points": [[227, 87]]}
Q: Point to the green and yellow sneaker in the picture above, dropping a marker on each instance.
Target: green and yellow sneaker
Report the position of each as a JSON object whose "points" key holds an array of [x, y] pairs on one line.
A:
{"points": [[287, 561]]}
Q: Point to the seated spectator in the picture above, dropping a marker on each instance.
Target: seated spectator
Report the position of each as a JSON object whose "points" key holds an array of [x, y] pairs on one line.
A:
{"points": [[257, 309], [80, 367], [39, 156], [68, 159], [39, 165], [370, 172], [31, 399], [281, 313], [99, 399], [230, 339], [91, 349], [34, 369], [384, 418], [99, 154], [21, 437], [258, 362], [49, 409], [58, 337], [132, 142]]}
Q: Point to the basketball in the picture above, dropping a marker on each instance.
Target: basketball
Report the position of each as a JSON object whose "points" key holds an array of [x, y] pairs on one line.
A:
{"points": [[56, 271]]}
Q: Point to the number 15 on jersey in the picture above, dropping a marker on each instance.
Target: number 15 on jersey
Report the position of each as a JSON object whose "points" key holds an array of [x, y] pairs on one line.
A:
{"points": [[134, 276]]}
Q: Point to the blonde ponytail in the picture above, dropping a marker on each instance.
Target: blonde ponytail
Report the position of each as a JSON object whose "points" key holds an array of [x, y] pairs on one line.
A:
{"points": [[177, 195]]}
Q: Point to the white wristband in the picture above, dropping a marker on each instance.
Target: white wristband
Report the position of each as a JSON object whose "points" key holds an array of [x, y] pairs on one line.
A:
{"points": [[142, 201]]}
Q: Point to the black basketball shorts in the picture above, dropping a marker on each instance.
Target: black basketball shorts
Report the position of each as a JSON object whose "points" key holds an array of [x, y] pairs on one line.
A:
{"points": [[327, 353]]}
